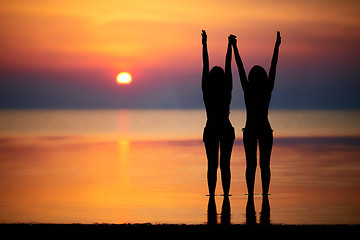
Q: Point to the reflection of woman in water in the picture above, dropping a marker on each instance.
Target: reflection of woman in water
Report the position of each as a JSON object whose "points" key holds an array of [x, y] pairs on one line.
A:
{"points": [[257, 93], [218, 132]]}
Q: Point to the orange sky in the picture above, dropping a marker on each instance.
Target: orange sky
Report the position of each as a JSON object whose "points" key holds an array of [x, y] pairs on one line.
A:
{"points": [[163, 37], [134, 34]]}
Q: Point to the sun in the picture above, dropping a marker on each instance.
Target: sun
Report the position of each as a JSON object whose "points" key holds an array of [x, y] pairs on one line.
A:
{"points": [[124, 78]]}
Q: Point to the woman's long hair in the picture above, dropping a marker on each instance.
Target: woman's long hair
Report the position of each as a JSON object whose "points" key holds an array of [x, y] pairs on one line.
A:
{"points": [[218, 89], [258, 78]]}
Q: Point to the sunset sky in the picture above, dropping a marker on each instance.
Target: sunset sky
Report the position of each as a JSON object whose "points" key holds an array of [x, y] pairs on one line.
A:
{"points": [[67, 54]]}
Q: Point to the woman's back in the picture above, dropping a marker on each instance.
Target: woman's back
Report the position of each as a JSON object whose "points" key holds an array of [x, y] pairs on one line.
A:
{"points": [[257, 108], [217, 95], [218, 132], [257, 93]]}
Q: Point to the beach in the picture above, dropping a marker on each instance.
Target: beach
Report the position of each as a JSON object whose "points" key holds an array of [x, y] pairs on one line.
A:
{"points": [[54, 176], [166, 230], [103, 108]]}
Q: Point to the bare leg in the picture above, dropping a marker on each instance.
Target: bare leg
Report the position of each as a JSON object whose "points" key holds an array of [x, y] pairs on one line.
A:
{"points": [[225, 156], [212, 153], [250, 211], [250, 145], [265, 211], [265, 146], [212, 214], [226, 211]]}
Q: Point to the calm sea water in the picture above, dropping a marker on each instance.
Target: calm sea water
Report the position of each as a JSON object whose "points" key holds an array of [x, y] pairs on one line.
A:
{"points": [[119, 166], [169, 124]]}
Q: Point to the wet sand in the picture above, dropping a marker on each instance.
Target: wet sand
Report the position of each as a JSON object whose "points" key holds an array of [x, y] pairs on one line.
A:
{"points": [[91, 180], [175, 230]]}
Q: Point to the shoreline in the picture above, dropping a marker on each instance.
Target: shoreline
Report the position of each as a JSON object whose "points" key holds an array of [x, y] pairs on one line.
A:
{"points": [[177, 230]]}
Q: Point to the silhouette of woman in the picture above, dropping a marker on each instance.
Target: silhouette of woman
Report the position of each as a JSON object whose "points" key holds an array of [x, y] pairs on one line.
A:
{"points": [[218, 132], [257, 93]]}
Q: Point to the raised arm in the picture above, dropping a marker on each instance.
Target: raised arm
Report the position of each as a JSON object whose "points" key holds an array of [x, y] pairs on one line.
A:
{"points": [[205, 56], [228, 73], [274, 60], [243, 80]]}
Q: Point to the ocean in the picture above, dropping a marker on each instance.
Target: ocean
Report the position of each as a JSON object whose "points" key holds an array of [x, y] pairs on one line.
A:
{"points": [[149, 166]]}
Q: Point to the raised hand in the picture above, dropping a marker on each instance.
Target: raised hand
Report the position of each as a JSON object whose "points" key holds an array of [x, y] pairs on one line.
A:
{"points": [[278, 39], [232, 39], [274, 60], [204, 37]]}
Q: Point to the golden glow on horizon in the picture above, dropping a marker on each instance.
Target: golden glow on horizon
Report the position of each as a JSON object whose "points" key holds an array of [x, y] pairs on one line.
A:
{"points": [[166, 34], [124, 78]]}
